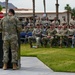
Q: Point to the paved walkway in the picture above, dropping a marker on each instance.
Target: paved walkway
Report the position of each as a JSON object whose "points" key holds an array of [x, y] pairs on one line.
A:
{"points": [[32, 66]]}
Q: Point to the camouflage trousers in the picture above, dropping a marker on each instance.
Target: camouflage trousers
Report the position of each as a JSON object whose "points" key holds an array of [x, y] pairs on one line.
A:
{"points": [[13, 45], [46, 40], [32, 38], [71, 40], [62, 39]]}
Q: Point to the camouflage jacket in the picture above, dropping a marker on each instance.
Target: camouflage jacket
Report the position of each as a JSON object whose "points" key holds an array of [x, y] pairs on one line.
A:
{"points": [[37, 32], [10, 26], [51, 32]]}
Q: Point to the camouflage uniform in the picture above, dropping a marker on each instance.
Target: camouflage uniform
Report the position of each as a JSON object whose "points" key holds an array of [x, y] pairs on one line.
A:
{"points": [[30, 28], [55, 22], [46, 23], [59, 35], [63, 23], [51, 34], [65, 35], [72, 22], [71, 35], [36, 34], [25, 29], [10, 26], [73, 41], [44, 36]]}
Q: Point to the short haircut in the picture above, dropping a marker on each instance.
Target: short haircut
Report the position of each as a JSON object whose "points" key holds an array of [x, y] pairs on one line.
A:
{"points": [[11, 11]]}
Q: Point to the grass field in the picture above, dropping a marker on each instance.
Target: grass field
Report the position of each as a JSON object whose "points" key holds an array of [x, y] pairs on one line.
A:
{"points": [[58, 59]]}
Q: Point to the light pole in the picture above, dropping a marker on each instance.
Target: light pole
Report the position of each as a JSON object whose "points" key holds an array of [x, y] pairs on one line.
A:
{"points": [[6, 6], [57, 9]]}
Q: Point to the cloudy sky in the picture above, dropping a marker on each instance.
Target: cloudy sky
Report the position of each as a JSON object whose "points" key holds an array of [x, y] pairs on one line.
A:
{"points": [[50, 4]]}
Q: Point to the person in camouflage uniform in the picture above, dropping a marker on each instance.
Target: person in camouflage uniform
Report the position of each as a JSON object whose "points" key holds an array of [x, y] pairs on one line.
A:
{"points": [[59, 35], [73, 41], [63, 22], [10, 26], [72, 21], [25, 29], [44, 39], [36, 34], [49, 36], [45, 22], [65, 35], [55, 22], [71, 33], [30, 28]]}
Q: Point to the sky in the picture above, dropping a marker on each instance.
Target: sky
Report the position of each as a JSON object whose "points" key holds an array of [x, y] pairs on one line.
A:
{"points": [[50, 4]]}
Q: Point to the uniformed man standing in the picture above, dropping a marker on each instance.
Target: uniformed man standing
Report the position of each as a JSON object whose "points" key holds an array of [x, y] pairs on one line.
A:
{"points": [[10, 26], [63, 22], [72, 21], [55, 22]]}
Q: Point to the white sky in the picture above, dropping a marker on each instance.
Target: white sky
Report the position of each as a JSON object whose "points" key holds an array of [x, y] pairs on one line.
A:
{"points": [[50, 4]]}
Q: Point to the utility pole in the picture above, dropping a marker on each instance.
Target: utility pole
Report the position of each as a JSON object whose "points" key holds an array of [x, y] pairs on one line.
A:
{"points": [[33, 12], [6, 6], [57, 9]]}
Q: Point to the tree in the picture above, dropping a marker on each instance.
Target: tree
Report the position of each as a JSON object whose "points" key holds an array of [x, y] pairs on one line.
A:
{"points": [[6, 6], [44, 3], [57, 9], [33, 1], [0, 8], [73, 12], [68, 8]]}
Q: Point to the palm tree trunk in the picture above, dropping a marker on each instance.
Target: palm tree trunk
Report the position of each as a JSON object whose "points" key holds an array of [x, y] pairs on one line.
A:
{"points": [[44, 3], [68, 17], [57, 5], [33, 12], [6, 6]]}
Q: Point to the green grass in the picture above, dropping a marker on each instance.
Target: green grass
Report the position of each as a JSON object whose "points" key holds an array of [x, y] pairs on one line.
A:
{"points": [[58, 59]]}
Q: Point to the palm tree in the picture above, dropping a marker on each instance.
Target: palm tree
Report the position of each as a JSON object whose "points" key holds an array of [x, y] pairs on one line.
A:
{"points": [[0, 8], [33, 1], [68, 8], [57, 5], [73, 12], [44, 3], [6, 6]]}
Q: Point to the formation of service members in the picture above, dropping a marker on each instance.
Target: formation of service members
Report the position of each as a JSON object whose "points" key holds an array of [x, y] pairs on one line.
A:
{"points": [[52, 33]]}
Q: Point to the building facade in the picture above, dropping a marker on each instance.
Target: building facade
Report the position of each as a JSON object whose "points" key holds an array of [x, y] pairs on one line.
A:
{"points": [[26, 13]]}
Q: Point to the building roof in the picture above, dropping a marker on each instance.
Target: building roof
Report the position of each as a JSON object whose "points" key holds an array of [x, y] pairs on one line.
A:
{"points": [[29, 11]]}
